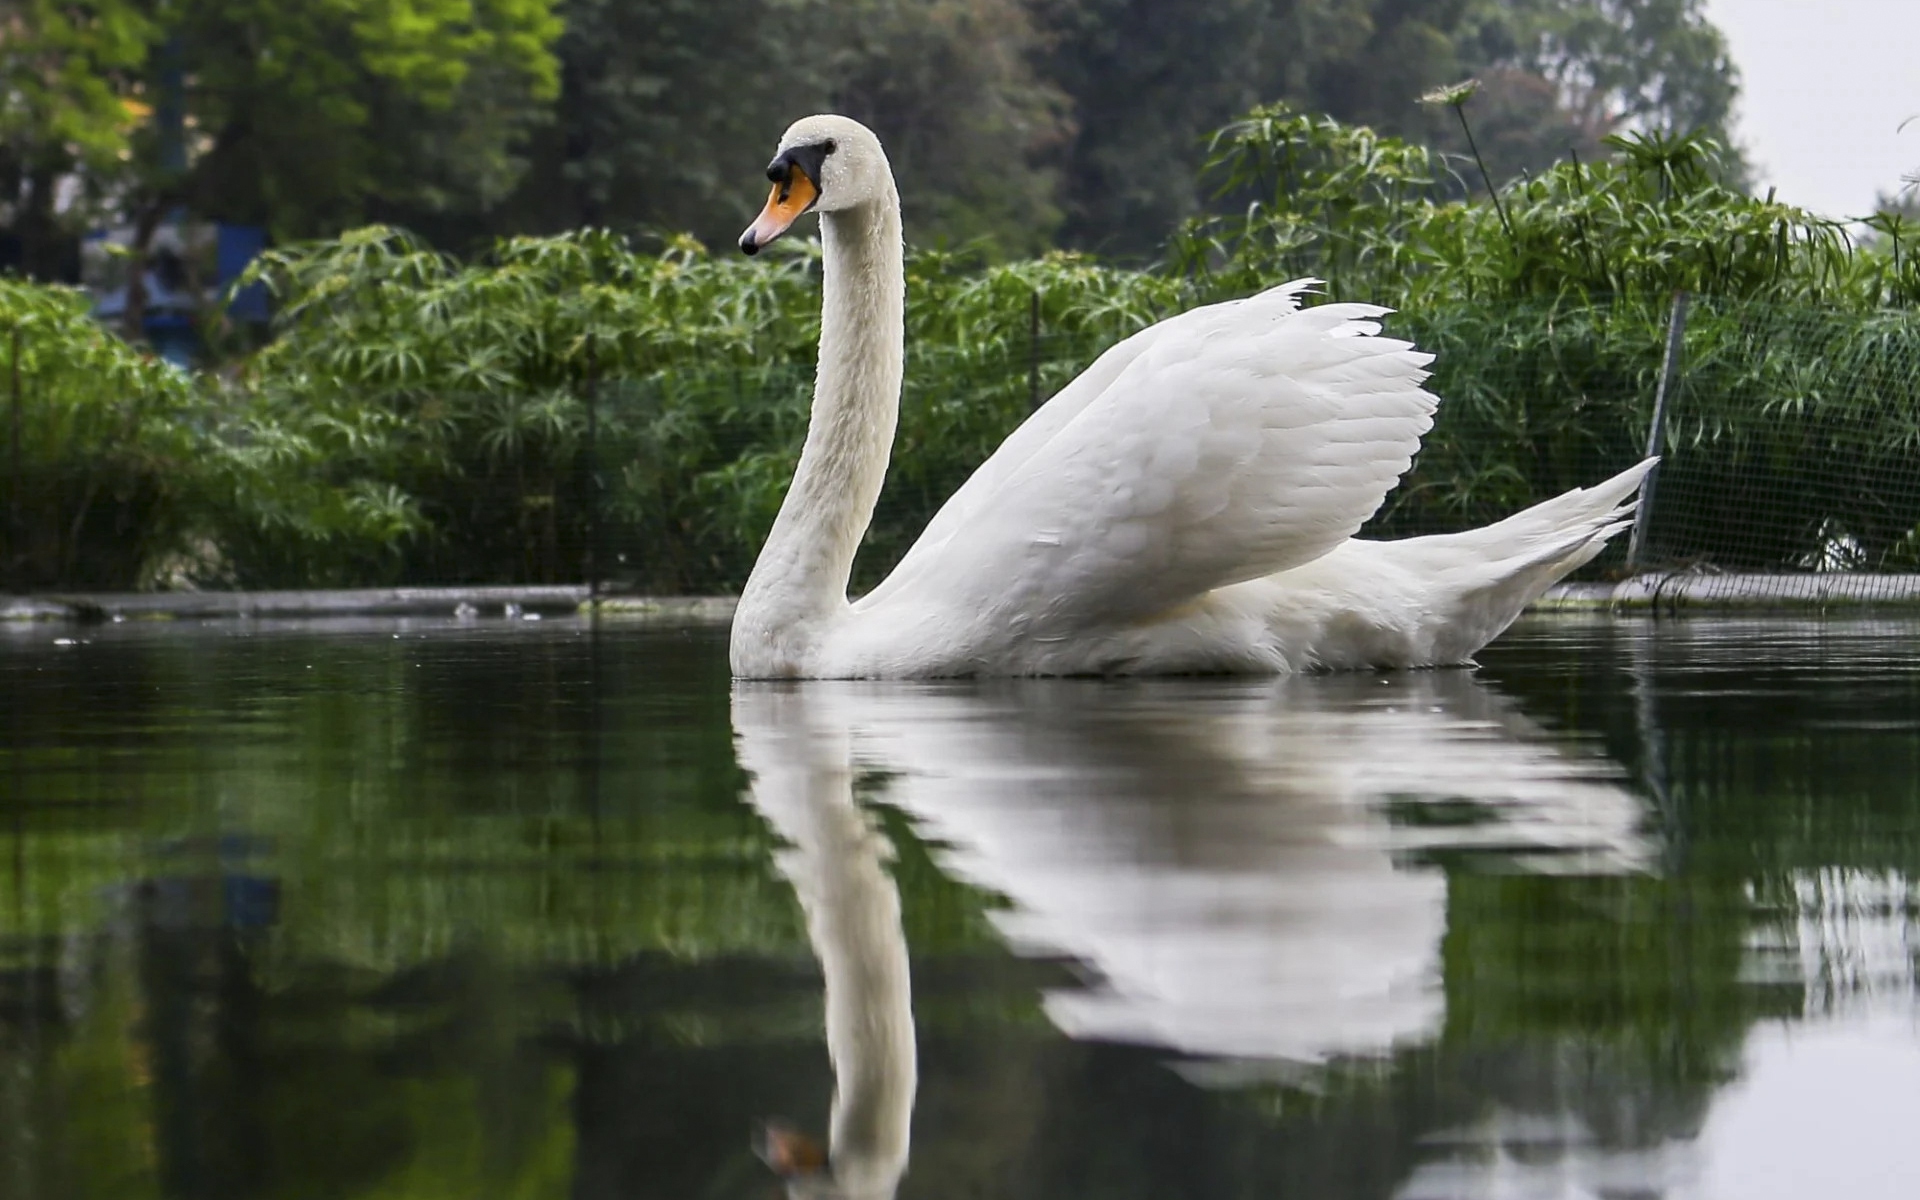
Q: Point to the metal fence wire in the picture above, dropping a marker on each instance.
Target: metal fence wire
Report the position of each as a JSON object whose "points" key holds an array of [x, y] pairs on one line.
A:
{"points": [[1793, 447], [1789, 438]]}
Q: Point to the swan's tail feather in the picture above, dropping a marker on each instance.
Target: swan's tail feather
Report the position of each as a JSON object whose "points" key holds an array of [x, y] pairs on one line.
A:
{"points": [[1509, 564], [1576, 523], [1472, 585]]}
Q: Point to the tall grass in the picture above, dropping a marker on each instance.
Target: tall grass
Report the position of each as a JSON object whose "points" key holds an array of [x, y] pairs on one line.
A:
{"points": [[1380, 219]]}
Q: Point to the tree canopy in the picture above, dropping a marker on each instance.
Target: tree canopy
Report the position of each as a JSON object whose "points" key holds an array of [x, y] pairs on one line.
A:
{"points": [[305, 116], [1016, 124], [1148, 80]]}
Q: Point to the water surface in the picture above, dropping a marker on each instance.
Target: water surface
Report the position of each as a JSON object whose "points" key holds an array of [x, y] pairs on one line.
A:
{"points": [[443, 909]]}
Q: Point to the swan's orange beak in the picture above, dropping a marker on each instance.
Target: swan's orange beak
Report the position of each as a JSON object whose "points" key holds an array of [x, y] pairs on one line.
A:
{"points": [[791, 197]]}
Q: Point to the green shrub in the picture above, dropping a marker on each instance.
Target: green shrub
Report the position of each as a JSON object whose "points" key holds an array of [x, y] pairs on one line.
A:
{"points": [[457, 392], [98, 442], [465, 389], [1377, 217]]}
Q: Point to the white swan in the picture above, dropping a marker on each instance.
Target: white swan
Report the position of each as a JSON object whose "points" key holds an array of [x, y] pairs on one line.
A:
{"points": [[1186, 505]]}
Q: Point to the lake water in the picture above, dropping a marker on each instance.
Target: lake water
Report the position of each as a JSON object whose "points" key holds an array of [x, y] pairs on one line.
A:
{"points": [[412, 909]]}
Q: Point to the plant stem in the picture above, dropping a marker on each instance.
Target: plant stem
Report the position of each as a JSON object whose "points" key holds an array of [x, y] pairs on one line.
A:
{"points": [[1460, 110], [1580, 180]]}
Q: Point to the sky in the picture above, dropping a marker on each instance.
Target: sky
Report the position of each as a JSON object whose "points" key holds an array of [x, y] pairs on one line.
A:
{"points": [[1825, 86]]}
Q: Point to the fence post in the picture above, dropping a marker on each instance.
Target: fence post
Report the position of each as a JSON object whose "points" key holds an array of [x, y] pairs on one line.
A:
{"points": [[1033, 352], [14, 530], [593, 495], [1657, 433]]}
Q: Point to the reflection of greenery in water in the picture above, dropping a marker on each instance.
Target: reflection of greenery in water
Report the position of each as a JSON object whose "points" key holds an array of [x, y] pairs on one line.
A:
{"points": [[324, 911], [479, 912]]}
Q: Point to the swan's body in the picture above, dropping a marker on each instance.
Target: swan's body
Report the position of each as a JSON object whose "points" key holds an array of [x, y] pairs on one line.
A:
{"points": [[1186, 505]]}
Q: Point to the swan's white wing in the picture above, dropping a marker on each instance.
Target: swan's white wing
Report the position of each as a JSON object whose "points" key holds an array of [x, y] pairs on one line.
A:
{"points": [[1225, 444], [1053, 416], [1048, 420]]}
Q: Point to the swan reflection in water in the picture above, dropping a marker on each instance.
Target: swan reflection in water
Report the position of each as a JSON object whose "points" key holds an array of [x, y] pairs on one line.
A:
{"points": [[1247, 869], [801, 757]]}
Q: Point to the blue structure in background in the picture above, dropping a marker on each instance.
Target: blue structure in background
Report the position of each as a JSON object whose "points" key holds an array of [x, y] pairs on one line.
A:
{"points": [[174, 307], [238, 246]]}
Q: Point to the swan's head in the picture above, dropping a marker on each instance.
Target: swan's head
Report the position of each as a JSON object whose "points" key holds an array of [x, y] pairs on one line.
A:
{"points": [[826, 162]]}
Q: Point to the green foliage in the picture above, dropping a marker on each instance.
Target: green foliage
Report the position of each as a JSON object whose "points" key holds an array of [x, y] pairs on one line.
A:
{"points": [[464, 386], [305, 116], [1548, 315], [1537, 398], [1148, 81], [1372, 214], [314, 112], [1021, 124], [1794, 440], [1620, 65], [419, 418], [1319, 198], [65, 104], [465, 389], [670, 105], [98, 442], [60, 64]]}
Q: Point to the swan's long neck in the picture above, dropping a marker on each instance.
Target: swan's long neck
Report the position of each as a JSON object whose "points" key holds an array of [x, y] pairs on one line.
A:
{"points": [[798, 747], [801, 577]]}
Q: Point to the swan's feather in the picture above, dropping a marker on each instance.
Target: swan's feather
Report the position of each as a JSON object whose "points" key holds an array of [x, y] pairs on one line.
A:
{"points": [[1225, 444]]}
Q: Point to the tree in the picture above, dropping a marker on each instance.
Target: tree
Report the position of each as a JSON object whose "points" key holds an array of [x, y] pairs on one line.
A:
{"points": [[666, 113], [305, 116], [1148, 81], [670, 108], [1640, 65], [969, 122], [1012, 123], [67, 74]]}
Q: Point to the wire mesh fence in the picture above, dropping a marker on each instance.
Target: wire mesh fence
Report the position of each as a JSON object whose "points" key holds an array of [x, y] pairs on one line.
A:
{"points": [[1789, 436], [1791, 453], [1793, 445]]}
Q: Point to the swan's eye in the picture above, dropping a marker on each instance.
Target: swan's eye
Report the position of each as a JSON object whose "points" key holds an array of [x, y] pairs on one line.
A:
{"points": [[805, 160]]}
